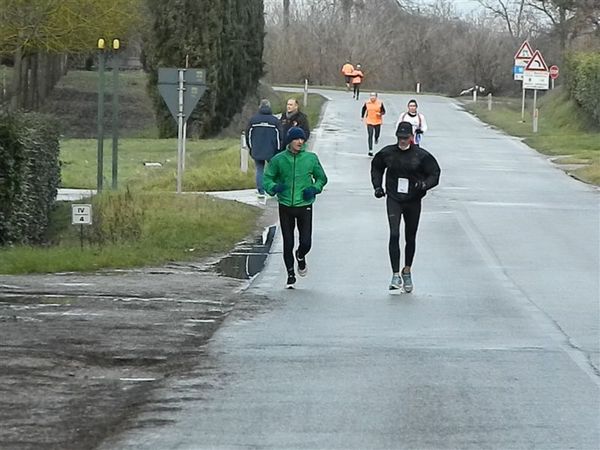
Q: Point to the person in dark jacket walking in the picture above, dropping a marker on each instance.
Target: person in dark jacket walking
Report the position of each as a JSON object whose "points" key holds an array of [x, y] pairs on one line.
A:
{"points": [[296, 177], [293, 117], [410, 171], [263, 137]]}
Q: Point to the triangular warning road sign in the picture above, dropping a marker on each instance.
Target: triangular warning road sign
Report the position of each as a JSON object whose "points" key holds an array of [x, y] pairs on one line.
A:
{"points": [[537, 63], [525, 51]]}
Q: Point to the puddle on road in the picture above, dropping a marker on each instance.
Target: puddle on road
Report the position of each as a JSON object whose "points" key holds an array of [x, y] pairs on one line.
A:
{"points": [[248, 258]]}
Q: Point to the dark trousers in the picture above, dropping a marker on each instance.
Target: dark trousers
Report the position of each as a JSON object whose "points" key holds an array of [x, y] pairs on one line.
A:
{"points": [[356, 90], [260, 171], [289, 218], [411, 213], [370, 129]]}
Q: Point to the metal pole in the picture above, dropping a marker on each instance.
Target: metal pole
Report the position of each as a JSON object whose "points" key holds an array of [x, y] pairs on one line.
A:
{"points": [[535, 112], [489, 101], [115, 121], [180, 132], [552, 82], [523, 104], [183, 144], [99, 178], [475, 94], [187, 65], [418, 88]]}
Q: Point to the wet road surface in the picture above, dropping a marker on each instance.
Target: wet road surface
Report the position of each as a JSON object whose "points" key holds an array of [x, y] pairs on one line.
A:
{"points": [[497, 347]]}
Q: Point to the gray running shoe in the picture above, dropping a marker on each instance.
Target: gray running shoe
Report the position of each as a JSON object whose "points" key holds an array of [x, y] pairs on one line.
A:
{"points": [[407, 280], [396, 282]]}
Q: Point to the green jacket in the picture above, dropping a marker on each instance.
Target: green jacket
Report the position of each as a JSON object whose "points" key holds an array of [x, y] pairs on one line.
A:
{"points": [[295, 173]]}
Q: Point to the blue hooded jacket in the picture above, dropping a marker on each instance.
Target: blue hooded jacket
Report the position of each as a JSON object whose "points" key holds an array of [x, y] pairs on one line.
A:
{"points": [[263, 135]]}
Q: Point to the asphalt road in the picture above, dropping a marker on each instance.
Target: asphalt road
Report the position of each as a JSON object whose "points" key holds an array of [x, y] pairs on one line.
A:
{"points": [[497, 347]]}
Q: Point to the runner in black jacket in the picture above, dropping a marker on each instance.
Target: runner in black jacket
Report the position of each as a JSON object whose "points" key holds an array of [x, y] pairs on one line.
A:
{"points": [[293, 117], [409, 172]]}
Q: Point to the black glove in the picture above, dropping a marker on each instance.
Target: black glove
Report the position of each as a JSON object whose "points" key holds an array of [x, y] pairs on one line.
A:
{"points": [[379, 192], [420, 185], [418, 131]]}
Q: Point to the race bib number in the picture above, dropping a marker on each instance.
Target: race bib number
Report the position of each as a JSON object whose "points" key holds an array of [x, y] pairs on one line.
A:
{"points": [[403, 185]]}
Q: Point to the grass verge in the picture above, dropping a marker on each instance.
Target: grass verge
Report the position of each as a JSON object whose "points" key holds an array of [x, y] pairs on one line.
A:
{"points": [[135, 229], [142, 224], [211, 165], [565, 131]]}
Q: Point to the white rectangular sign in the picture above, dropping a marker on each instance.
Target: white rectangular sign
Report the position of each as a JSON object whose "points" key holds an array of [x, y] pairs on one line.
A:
{"points": [[536, 80], [81, 214]]}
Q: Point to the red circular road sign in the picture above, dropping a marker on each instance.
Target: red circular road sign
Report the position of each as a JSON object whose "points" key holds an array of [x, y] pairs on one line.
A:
{"points": [[553, 72]]}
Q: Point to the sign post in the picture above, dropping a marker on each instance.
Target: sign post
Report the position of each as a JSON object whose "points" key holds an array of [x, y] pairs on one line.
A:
{"points": [[181, 90], [81, 215], [536, 77], [522, 57]]}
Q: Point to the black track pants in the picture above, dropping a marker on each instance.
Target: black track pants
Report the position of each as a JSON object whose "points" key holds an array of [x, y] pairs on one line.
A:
{"points": [[411, 213], [289, 217], [370, 130]]}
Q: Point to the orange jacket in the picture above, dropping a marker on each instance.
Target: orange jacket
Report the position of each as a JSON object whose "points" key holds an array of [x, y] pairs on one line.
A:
{"points": [[348, 69], [357, 77], [373, 111]]}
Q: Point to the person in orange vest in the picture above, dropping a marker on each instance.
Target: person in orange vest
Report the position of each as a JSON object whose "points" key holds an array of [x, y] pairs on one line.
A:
{"points": [[347, 71], [357, 77], [372, 113]]}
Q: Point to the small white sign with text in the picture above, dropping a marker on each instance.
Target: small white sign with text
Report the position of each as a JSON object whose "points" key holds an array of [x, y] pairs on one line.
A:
{"points": [[81, 214]]}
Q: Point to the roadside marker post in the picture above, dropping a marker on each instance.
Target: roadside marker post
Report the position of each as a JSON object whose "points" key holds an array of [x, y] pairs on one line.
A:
{"points": [[81, 215]]}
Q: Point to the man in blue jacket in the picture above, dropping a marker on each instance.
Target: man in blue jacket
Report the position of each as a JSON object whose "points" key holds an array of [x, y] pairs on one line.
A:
{"points": [[263, 137]]}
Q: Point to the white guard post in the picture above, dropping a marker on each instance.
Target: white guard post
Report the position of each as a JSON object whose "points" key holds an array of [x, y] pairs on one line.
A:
{"points": [[243, 153]]}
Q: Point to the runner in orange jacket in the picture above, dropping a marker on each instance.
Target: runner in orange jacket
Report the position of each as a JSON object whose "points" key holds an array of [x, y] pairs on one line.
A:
{"points": [[357, 77], [347, 71], [372, 112]]}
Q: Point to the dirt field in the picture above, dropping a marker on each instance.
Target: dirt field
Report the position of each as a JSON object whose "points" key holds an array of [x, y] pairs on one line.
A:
{"points": [[79, 353]]}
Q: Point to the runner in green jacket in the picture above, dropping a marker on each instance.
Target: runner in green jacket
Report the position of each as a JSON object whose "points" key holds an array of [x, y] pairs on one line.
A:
{"points": [[296, 177]]}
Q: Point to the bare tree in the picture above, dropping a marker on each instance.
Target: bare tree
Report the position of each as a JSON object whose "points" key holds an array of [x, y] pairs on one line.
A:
{"points": [[515, 14], [398, 43], [561, 14]]}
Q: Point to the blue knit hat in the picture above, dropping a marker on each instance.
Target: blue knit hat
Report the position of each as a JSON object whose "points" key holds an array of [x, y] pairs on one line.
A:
{"points": [[295, 133]]}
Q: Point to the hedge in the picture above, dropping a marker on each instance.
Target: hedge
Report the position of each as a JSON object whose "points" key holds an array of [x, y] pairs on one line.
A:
{"points": [[29, 176], [583, 78]]}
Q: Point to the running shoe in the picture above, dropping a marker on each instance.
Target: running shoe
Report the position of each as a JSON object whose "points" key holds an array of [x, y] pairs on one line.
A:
{"points": [[370, 152], [302, 269], [396, 282], [407, 280], [291, 280]]}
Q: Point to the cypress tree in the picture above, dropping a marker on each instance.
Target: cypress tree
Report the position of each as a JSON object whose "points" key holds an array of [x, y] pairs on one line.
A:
{"points": [[225, 37]]}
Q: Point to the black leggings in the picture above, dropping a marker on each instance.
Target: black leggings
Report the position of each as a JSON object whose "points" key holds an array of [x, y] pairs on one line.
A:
{"points": [[288, 218], [356, 90], [370, 129], [411, 213]]}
